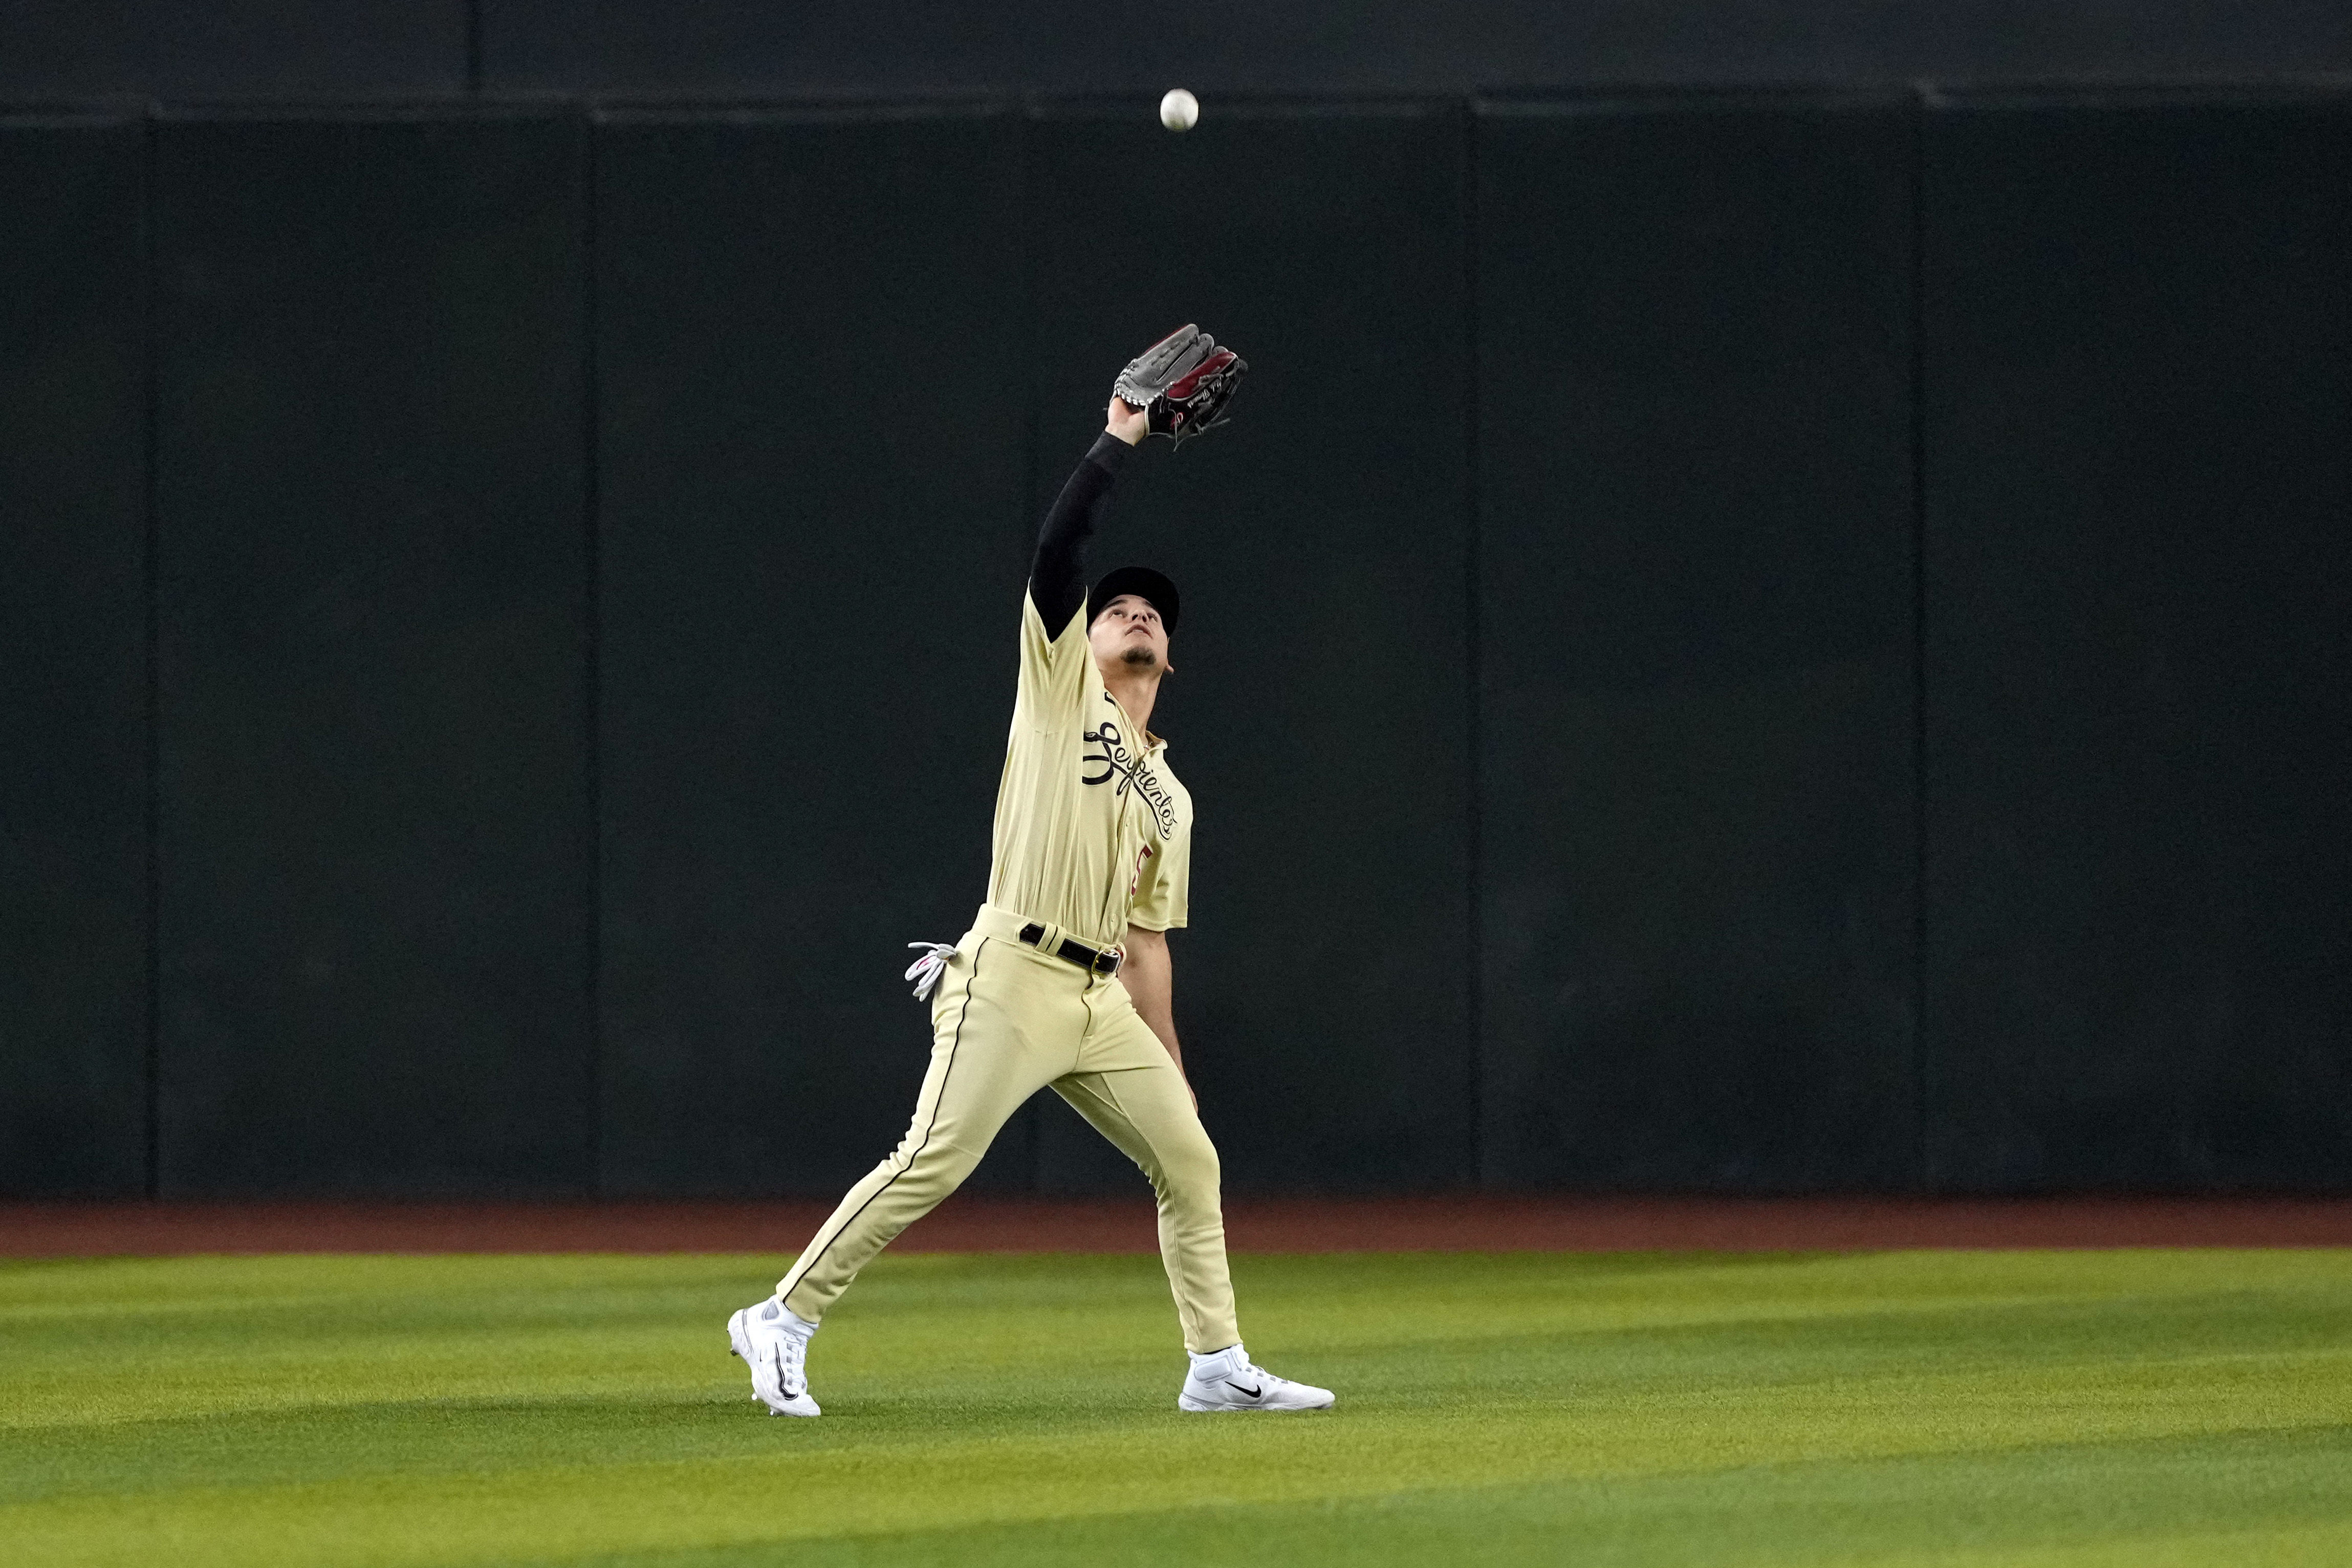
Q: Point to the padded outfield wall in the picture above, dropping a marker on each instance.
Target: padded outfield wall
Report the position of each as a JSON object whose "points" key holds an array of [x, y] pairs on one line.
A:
{"points": [[1738, 642]]}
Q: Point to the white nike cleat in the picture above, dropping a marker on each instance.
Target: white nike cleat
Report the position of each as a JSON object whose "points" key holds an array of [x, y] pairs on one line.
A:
{"points": [[1229, 1380], [773, 1342]]}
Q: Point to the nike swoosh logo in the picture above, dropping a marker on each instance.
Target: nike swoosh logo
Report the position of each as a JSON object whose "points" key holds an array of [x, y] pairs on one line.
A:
{"points": [[1254, 1392]]}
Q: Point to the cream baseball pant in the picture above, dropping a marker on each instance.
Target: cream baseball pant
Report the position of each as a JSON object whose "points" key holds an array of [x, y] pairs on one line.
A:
{"points": [[1007, 1021]]}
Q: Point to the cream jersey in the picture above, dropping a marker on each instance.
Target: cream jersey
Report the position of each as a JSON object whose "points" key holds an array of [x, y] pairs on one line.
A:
{"points": [[1092, 831]]}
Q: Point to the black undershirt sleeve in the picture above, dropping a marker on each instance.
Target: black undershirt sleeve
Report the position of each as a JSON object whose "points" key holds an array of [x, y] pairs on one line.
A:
{"points": [[1057, 576]]}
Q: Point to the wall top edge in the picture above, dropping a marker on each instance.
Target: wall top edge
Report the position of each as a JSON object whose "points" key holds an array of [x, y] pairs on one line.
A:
{"points": [[2318, 89], [1580, 99], [13, 119]]}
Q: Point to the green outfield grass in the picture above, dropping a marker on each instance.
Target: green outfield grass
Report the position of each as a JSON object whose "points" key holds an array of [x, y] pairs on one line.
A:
{"points": [[2125, 1408]]}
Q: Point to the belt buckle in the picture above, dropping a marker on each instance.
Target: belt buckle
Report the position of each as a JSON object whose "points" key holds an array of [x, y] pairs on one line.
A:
{"points": [[1106, 961]]}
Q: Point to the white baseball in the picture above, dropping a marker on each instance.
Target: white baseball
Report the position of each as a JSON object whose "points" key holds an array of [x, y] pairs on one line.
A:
{"points": [[1180, 110]]}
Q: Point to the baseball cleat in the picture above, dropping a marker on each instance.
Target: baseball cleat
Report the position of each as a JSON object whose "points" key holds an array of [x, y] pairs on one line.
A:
{"points": [[1229, 1380], [774, 1345]]}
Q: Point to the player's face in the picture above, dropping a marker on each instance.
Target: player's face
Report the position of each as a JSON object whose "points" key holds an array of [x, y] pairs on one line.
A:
{"points": [[1128, 635]]}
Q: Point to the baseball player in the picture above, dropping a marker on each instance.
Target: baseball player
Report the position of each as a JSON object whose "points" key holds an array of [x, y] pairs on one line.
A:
{"points": [[1065, 977]]}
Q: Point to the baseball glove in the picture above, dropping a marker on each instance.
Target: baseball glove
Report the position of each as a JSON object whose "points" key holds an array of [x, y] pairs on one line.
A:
{"points": [[1184, 381]]}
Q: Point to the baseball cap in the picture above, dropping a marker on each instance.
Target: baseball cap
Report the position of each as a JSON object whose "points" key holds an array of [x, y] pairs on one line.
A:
{"points": [[1143, 582]]}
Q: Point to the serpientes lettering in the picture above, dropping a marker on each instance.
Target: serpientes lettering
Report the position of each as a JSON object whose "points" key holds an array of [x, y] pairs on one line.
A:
{"points": [[1111, 756]]}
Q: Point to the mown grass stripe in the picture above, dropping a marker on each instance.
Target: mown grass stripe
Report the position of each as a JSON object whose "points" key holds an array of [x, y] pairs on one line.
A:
{"points": [[1882, 1408]]}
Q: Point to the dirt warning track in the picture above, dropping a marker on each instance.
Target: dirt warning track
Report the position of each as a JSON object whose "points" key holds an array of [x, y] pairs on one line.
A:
{"points": [[977, 1223]]}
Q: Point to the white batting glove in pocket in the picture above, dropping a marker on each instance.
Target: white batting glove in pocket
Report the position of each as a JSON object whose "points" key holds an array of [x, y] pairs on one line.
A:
{"points": [[925, 971]]}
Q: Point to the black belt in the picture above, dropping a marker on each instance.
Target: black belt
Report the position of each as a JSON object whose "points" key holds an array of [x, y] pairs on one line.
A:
{"points": [[1097, 960]]}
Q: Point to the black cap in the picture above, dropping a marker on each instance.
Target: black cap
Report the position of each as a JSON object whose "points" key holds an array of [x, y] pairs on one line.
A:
{"points": [[1143, 582]]}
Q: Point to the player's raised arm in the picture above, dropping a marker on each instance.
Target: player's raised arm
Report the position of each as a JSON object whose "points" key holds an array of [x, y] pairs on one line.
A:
{"points": [[1178, 387], [1057, 575]]}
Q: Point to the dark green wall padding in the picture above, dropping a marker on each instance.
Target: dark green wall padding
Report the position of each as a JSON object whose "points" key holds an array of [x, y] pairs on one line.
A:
{"points": [[1695, 565], [2138, 651], [375, 831], [73, 683], [813, 458], [1736, 643]]}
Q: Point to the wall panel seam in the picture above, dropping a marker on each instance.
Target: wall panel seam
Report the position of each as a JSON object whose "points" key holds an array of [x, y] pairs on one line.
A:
{"points": [[1924, 1175], [152, 586], [591, 681], [1474, 843]]}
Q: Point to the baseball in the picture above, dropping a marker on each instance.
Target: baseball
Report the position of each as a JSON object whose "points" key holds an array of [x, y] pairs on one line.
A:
{"points": [[1180, 110]]}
